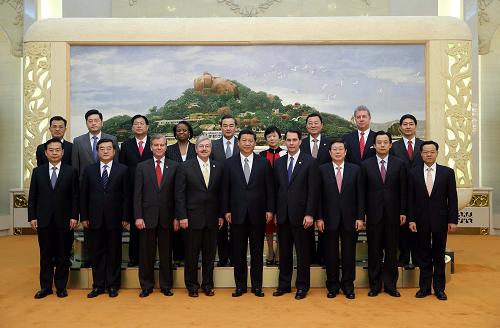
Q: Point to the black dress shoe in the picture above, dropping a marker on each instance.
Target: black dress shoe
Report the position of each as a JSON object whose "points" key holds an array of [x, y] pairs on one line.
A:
{"points": [[441, 295], [167, 292], [332, 293], [193, 293], [258, 292], [422, 293], [350, 295], [61, 293], [373, 293], [42, 293], [112, 292], [132, 263], [281, 292], [238, 292], [393, 293], [145, 293], [300, 294], [95, 292], [222, 263], [85, 264], [209, 292]]}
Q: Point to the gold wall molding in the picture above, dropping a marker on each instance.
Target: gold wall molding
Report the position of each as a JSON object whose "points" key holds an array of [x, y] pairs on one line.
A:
{"points": [[488, 13], [12, 22], [458, 112], [479, 200], [252, 9], [37, 86]]}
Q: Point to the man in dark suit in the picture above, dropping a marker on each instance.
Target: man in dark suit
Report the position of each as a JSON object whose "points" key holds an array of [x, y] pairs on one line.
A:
{"points": [[433, 212], [386, 193], [248, 204], [407, 149], [104, 212], [316, 145], [223, 148], [154, 207], [84, 153], [341, 216], [198, 187], [57, 129], [359, 143], [297, 181], [132, 152], [53, 212]]}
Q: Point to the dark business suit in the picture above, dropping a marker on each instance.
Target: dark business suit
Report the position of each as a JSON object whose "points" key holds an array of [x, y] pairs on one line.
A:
{"points": [[223, 236], [129, 155], [174, 153], [294, 200], [407, 239], [432, 214], [385, 202], [81, 157], [317, 253], [248, 204], [156, 206], [53, 208], [352, 141], [105, 207], [42, 159], [201, 206], [339, 211]]}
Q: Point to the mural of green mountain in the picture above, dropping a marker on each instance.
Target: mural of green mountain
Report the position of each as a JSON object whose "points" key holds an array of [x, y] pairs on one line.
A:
{"points": [[212, 97]]}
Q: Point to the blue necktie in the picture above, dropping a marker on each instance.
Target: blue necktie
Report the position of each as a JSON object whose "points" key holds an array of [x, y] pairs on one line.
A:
{"points": [[53, 177], [94, 148], [105, 176], [290, 169]]}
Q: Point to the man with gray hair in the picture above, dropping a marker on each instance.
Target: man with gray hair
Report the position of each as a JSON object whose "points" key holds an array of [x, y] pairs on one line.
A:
{"points": [[359, 142], [198, 187], [154, 210]]}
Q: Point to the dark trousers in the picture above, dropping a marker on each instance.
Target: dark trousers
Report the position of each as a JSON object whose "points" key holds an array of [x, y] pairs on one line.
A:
{"points": [[288, 235], [348, 241], [105, 247], [317, 247], [178, 246], [133, 245], [431, 260], [149, 239], [241, 235], [382, 248], [53, 243], [69, 243], [204, 241], [407, 245], [223, 244]]}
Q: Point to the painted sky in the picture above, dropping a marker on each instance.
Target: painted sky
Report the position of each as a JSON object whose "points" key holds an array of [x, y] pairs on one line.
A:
{"points": [[388, 79]]}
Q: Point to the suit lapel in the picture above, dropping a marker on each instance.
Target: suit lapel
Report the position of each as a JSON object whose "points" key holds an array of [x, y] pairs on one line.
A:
{"points": [[254, 168], [199, 173], [166, 172], [152, 174], [297, 168], [213, 169], [240, 168], [112, 173], [333, 175], [62, 172]]}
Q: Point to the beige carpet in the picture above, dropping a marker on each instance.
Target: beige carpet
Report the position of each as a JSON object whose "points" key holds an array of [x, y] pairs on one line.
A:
{"points": [[473, 300]]}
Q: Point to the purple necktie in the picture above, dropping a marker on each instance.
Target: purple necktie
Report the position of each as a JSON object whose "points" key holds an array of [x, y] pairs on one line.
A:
{"points": [[382, 170]]}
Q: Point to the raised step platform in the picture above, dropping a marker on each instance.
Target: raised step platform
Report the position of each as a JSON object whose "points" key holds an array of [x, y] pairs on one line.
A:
{"points": [[223, 277]]}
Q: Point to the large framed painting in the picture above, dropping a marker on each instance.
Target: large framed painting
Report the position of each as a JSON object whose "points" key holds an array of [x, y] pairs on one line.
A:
{"points": [[264, 71]]}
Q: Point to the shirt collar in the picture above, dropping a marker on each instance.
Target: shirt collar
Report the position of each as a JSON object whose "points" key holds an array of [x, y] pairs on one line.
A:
{"points": [[295, 157], [412, 141], [433, 167], [201, 162], [341, 165], [145, 139], [58, 166], [108, 164], [367, 132], [317, 138], [91, 136], [162, 160], [386, 159]]}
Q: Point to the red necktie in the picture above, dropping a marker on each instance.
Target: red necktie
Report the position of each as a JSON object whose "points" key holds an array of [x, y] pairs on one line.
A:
{"points": [[158, 172], [410, 150], [338, 177], [141, 147], [362, 144]]}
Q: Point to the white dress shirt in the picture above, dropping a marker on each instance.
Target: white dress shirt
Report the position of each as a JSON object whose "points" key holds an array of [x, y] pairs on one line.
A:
{"points": [[295, 159], [162, 163], [341, 169], [202, 163], [367, 132], [91, 138], [143, 142], [412, 143], [58, 169], [107, 169], [250, 161], [231, 145], [386, 159], [311, 142], [433, 172]]}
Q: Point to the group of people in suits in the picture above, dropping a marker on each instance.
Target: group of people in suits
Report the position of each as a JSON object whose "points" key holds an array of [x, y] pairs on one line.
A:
{"points": [[220, 197]]}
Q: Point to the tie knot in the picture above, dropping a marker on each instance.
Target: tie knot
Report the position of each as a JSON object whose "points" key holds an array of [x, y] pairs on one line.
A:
{"points": [[54, 168], [158, 161], [429, 169], [315, 140], [338, 168], [141, 142], [228, 142], [291, 159], [410, 142], [105, 166], [246, 160], [95, 137], [362, 133], [382, 162]]}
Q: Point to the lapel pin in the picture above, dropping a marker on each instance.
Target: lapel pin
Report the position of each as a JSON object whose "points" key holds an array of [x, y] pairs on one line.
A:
{"points": [[213, 165], [300, 162]]}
